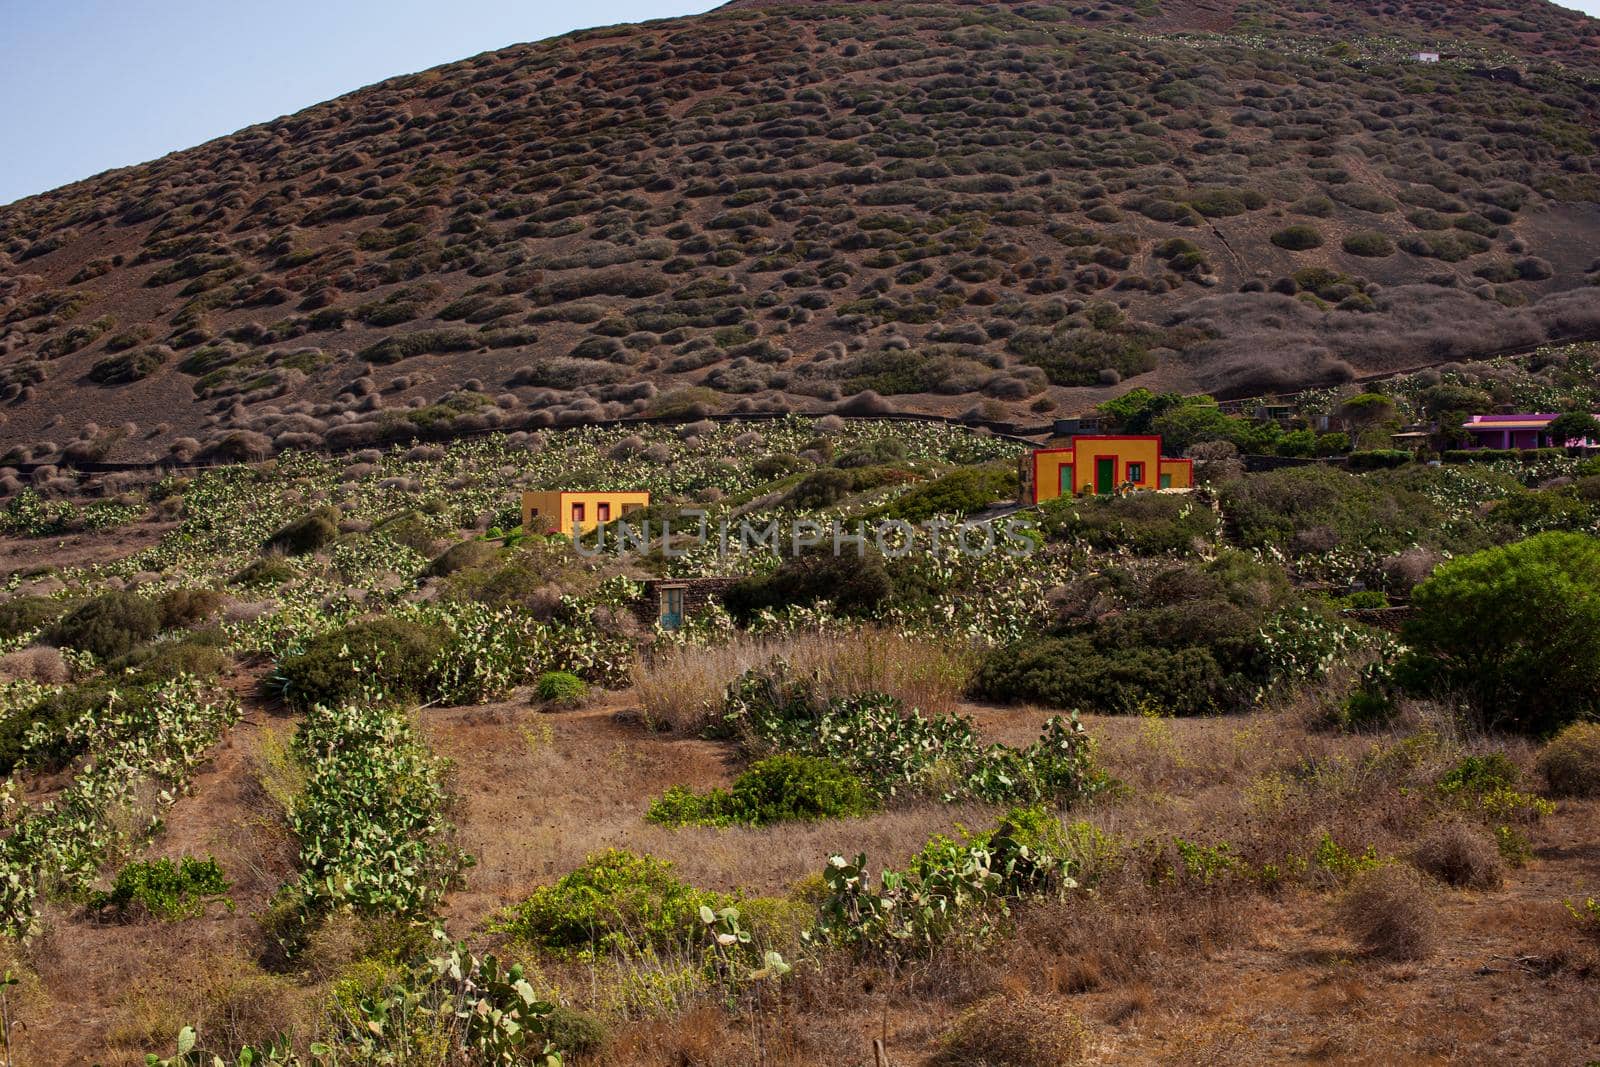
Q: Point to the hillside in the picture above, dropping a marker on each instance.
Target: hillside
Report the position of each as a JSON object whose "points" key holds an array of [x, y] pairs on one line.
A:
{"points": [[266, 728], [1003, 209]]}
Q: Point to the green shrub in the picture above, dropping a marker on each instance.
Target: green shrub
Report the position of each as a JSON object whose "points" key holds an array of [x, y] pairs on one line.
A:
{"points": [[822, 489], [160, 660], [38, 736], [560, 687], [264, 572], [306, 534], [386, 656], [1299, 238], [166, 890], [574, 1032], [128, 367], [1369, 245], [777, 789], [1070, 672], [28, 614], [185, 607], [1147, 524], [960, 493], [856, 586], [617, 902], [468, 555], [1570, 763], [1285, 507], [1379, 459], [109, 625], [1511, 631]]}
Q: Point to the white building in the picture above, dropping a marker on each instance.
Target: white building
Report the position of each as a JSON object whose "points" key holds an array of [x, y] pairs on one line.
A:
{"points": [[1425, 57]]}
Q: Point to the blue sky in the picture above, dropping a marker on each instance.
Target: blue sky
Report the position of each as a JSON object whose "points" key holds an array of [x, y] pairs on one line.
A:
{"points": [[88, 85]]}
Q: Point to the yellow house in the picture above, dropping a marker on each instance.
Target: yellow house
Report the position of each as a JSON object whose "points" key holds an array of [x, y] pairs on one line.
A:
{"points": [[557, 511], [1103, 465]]}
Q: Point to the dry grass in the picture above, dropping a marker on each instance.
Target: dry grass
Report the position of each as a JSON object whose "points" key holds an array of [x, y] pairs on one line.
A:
{"points": [[38, 663], [681, 689], [1014, 1030], [226, 997], [1460, 855], [1392, 913]]}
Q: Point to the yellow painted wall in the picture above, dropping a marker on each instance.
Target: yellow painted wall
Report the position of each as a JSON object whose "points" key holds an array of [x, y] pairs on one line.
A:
{"points": [[1181, 472], [556, 510], [1082, 457]]}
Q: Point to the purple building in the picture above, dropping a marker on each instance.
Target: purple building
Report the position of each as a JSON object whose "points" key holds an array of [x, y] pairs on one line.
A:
{"points": [[1515, 431]]}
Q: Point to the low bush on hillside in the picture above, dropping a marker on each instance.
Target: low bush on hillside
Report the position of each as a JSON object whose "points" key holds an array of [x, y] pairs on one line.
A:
{"points": [[198, 655], [1188, 639], [1391, 913], [468, 555], [1510, 631], [1308, 509], [306, 534], [779, 788], [1071, 672], [128, 367], [560, 689], [265, 572], [109, 625], [28, 614], [1369, 245], [959, 493], [616, 903], [896, 751], [384, 657], [1461, 855], [1570, 763], [1014, 1030], [856, 585], [1146, 524], [165, 890], [1299, 238]]}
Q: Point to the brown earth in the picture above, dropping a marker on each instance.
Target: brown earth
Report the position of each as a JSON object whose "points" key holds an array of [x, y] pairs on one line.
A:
{"points": [[1234, 978]]}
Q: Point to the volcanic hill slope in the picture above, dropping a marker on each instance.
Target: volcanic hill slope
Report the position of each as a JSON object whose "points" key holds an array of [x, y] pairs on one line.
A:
{"points": [[1007, 209]]}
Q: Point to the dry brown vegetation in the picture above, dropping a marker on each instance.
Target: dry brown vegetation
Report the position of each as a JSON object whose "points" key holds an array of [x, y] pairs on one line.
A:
{"points": [[681, 688]]}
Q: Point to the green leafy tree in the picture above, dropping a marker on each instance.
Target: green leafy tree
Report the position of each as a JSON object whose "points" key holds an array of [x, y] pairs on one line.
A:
{"points": [[1574, 426], [1190, 424], [1514, 631]]}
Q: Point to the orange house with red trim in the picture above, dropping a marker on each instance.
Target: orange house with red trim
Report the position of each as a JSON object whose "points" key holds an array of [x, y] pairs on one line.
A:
{"points": [[1102, 465]]}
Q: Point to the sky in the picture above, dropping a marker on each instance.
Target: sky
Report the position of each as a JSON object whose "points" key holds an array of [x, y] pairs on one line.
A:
{"points": [[88, 85]]}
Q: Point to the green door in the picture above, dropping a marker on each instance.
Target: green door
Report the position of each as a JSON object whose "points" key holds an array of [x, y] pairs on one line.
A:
{"points": [[1105, 475], [1066, 487], [1166, 481]]}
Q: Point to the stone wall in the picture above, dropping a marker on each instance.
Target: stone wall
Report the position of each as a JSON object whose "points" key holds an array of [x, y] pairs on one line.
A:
{"points": [[698, 595]]}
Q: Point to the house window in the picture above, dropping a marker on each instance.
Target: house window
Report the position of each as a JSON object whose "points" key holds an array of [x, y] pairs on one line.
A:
{"points": [[1136, 473], [629, 509], [671, 617], [602, 513], [577, 513]]}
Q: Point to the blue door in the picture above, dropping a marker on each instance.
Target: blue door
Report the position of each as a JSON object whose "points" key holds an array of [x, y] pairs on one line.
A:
{"points": [[671, 609]]}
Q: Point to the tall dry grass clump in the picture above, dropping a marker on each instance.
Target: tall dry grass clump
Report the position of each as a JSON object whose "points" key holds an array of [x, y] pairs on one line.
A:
{"points": [[681, 689], [1391, 912], [1014, 1030], [1460, 855]]}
